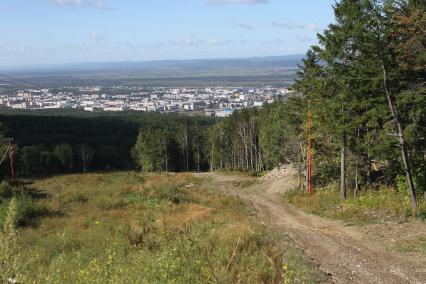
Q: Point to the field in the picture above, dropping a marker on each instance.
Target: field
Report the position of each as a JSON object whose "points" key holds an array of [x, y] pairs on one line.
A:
{"points": [[126, 227]]}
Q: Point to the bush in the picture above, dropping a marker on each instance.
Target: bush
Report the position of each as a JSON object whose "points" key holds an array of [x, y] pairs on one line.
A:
{"points": [[27, 213], [8, 248], [5, 190], [370, 206], [107, 203], [421, 214], [168, 192], [79, 198], [154, 196]]}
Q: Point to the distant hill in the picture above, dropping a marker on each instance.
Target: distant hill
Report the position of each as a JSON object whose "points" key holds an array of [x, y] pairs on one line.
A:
{"points": [[272, 62], [255, 71]]}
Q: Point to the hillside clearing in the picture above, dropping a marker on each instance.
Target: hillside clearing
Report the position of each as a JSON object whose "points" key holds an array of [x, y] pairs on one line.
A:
{"points": [[127, 228], [355, 254]]}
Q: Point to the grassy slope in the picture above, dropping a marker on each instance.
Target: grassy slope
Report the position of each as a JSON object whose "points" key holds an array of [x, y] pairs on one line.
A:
{"points": [[127, 228], [372, 206]]}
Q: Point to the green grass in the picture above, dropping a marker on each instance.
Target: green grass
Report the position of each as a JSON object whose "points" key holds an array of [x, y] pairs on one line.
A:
{"points": [[415, 245], [129, 228], [372, 206]]}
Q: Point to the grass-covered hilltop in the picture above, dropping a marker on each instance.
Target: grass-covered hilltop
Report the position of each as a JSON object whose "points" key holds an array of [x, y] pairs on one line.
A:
{"points": [[136, 197]]}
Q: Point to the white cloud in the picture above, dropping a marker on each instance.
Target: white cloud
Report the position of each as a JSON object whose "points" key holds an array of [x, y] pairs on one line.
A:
{"points": [[244, 2], [12, 49], [67, 2], [96, 37], [289, 25], [242, 25], [98, 4], [188, 41], [214, 41]]}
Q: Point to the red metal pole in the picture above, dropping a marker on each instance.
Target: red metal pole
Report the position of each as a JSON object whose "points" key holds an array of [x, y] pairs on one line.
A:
{"points": [[310, 190], [12, 172]]}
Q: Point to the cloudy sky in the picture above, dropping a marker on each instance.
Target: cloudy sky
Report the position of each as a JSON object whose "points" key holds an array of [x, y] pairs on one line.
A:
{"points": [[70, 31]]}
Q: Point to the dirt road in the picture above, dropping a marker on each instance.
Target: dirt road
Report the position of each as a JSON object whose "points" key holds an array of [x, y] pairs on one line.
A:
{"points": [[343, 252]]}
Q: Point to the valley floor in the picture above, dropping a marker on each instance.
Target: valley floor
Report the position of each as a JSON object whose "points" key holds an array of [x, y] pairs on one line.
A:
{"points": [[348, 254]]}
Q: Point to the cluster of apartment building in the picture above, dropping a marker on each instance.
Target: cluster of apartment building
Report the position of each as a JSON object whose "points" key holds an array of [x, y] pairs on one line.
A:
{"points": [[218, 101]]}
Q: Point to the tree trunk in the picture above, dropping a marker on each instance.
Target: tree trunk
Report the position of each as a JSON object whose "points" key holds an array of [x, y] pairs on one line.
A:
{"points": [[167, 161], [198, 158], [356, 179], [424, 176], [86, 156], [368, 170], [401, 139], [356, 170], [186, 147], [212, 158], [243, 139], [299, 168], [343, 168]]}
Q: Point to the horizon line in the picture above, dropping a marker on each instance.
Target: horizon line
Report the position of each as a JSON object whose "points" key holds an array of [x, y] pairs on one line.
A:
{"points": [[64, 64]]}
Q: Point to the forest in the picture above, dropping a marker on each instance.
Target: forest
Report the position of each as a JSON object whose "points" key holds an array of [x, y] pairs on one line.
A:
{"points": [[48, 143], [362, 86]]}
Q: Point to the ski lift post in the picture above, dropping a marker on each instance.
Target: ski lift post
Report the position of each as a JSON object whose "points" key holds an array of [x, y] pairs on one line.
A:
{"points": [[9, 151]]}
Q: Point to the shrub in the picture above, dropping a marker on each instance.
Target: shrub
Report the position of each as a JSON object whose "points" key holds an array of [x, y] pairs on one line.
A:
{"points": [[26, 212], [79, 198], [370, 206], [8, 249], [155, 194], [167, 192], [107, 203], [5, 190]]}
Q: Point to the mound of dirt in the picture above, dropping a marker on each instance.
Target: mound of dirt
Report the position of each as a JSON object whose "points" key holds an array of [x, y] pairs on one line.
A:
{"points": [[281, 171], [281, 179]]}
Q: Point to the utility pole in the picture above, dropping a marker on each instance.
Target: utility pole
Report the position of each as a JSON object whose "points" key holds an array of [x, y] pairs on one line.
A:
{"points": [[9, 151], [12, 171]]}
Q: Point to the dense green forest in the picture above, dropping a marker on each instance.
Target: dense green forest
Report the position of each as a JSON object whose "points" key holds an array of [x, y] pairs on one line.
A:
{"points": [[363, 84], [48, 143]]}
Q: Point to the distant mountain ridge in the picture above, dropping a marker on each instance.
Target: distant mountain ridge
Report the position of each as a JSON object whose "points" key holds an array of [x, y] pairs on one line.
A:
{"points": [[271, 62]]}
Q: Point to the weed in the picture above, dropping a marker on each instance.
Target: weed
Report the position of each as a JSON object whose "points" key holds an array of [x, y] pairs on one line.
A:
{"points": [[151, 229], [79, 198], [9, 258], [372, 206], [5, 190], [413, 245], [27, 213], [107, 203]]}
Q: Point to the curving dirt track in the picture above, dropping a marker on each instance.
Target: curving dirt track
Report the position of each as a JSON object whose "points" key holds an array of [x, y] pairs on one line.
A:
{"points": [[345, 253]]}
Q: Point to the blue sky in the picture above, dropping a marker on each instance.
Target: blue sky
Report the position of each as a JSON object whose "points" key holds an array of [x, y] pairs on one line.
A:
{"points": [[71, 31]]}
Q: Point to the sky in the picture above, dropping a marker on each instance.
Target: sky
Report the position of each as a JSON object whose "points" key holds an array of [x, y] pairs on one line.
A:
{"points": [[75, 31]]}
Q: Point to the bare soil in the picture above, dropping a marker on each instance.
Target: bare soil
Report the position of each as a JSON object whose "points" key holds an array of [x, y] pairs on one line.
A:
{"points": [[347, 254]]}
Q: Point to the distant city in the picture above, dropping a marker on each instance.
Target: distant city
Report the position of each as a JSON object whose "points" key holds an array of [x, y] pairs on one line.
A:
{"points": [[217, 101]]}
